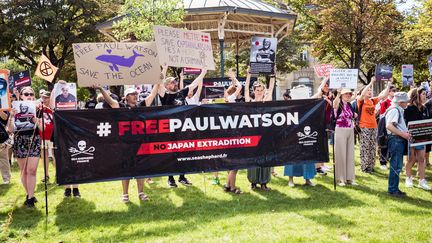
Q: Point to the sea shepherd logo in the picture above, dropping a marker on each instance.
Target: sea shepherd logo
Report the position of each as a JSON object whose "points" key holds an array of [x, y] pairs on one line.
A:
{"points": [[308, 138], [82, 154]]}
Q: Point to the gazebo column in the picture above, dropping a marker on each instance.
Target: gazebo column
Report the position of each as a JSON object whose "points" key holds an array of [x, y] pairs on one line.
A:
{"points": [[221, 35]]}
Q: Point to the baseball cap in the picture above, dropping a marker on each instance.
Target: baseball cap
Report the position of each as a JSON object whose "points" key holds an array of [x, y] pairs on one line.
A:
{"points": [[129, 91]]}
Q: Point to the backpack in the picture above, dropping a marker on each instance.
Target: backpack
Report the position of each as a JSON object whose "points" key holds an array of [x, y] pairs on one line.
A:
{"points": [[382, 136]]}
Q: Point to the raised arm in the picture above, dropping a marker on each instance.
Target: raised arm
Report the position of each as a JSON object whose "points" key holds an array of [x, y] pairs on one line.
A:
{"points": [[149, 99], [198, 79], [385, 92], [111, 102], [365, 90], [162, 89], [181, 80], [236, 83], [247, 86], [199, 89], [336, 101], [319, 93], [10, 123], [269, 94]]}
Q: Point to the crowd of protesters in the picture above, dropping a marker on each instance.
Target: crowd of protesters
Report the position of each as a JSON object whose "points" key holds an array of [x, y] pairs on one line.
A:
{"points": [[347, 113]]}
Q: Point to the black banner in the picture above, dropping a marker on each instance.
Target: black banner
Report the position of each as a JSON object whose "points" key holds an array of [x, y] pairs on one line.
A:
{"points": [[114, 144]]}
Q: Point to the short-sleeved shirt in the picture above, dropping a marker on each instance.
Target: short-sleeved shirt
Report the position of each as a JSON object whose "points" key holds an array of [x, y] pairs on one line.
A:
{"points": [[394, 115], [412, 113], [345, 116], [193, 101], [384, 105], [367, 117], [49, 124], [178, 98]]}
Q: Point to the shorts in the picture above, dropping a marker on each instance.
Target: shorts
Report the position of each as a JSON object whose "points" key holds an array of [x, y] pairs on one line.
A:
{"points": [[48, 144], [419, 147], [24, 147]]}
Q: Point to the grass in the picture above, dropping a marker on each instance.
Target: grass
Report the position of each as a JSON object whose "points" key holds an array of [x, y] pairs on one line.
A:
{"points": [[205, 213]]}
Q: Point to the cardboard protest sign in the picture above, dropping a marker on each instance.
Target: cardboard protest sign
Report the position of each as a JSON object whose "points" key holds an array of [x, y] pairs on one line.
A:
{"points": [[343, 78], [26, 110], [184, 48], [45, 69], [263, 55], [116, 63], [383, 72], [21, 79], [430, 65], [407, 75], [4, 91], [65, 96], [323, 70]]}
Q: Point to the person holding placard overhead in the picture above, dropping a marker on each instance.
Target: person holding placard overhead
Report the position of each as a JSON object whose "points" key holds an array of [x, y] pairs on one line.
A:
{"points": [[170, 94], [27, 148], [414, 112], [368, 125], [259, 176], [192, 98]]}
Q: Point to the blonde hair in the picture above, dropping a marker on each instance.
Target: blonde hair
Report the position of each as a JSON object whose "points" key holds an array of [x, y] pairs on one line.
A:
{"points": [[22, 91]]}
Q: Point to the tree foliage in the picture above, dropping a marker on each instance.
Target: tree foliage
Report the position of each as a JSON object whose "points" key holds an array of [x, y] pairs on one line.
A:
{"points": [[139, 17], [33, 27]]}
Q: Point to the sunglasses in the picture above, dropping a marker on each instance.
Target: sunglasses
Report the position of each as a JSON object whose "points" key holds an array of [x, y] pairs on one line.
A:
{"points": [[28, 94]]}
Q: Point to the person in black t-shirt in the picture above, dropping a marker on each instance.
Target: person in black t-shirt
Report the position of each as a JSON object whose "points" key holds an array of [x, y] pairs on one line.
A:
{"points": [[170, 94]]}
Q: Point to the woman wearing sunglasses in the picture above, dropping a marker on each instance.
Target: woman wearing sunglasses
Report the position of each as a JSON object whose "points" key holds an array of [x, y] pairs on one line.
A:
{"points": [[27, 149]]}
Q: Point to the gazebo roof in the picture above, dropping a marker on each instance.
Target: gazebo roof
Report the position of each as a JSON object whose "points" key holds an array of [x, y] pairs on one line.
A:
{"points": [[231, 20]]}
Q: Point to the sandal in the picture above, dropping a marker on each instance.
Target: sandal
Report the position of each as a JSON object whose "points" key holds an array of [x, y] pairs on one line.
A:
{"points": [[264, 187], [142, 196], [125, 198], [236, 191], [253, 186], [226, 188]]}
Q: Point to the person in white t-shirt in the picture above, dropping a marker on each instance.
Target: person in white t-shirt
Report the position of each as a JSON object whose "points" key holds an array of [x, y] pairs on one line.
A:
{"points": [[192, 98], [231, 93]]}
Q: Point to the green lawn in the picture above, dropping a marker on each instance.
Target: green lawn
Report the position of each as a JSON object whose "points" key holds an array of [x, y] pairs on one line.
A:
{"points": [[205, 213]]}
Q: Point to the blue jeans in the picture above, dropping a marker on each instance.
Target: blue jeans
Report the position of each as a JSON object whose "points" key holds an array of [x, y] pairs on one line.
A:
{"points": [[396, 146]]}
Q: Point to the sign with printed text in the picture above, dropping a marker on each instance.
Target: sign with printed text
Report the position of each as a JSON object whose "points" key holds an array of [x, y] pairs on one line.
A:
{"points": [[4, 91], [343, 78], [65, 96], [407, 75], [25, 112], [421, 132], [323, 70], [383, 73], [113, 63], [184, 48], [263, 55], [21, 79], [45, 69]]}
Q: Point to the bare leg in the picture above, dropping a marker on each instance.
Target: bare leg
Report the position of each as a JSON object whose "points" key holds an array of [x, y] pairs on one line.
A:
{"points": [[232, 179], [140, 185], [410, 163], [421, 164], [46, 163], [31, 170], [22, 165], [125, 185], [291, 179]]}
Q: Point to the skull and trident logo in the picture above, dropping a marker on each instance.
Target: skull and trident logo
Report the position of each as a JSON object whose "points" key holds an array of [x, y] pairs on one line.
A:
{"points": [[82, 145], [307, 133]]}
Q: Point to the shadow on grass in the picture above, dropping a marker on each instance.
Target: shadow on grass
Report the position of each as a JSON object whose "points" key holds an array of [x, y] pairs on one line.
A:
{"points": [[195, 206], [4, 189]]}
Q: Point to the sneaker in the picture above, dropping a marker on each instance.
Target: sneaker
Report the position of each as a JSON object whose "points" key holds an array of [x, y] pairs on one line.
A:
{"points": [[185, 182], [397, 194], [309, 183], [401, 192], [409, 182], [30, 203], [291, 184], [321, 172], [341, 183], [423, 185], [352, 183], [383, 167], [76, 192], [215, 181], [326, 168], [67, 192], [171, 184], [6, 182]]}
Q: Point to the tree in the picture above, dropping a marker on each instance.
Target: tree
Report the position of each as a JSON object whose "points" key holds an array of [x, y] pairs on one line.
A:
{"points": [[350, 33], [139, 16], [30, 28]]}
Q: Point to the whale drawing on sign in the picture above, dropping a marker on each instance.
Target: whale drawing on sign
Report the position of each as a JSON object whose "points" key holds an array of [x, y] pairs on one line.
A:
{"points": [[115, 60]]}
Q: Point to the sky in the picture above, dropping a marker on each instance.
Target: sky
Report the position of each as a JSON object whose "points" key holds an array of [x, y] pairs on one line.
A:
{"points": [[406, 6]]}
